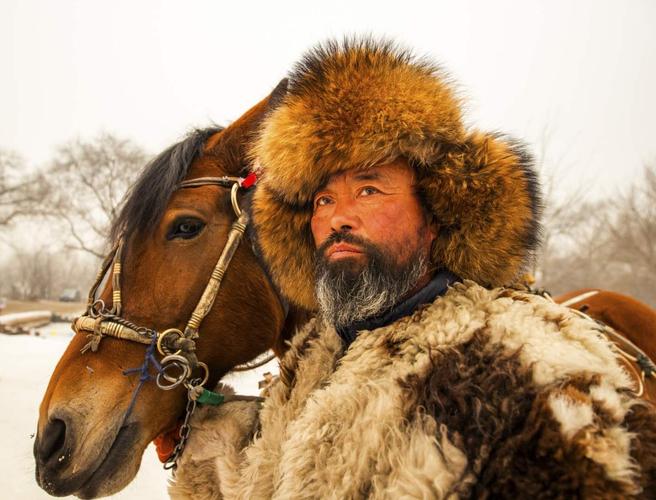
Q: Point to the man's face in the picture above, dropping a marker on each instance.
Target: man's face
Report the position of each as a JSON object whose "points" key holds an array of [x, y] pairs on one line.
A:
{"points": [[372, 239]]}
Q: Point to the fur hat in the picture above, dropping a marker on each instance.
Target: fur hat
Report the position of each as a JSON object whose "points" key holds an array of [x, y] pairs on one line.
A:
{"points": [[356, 104]]}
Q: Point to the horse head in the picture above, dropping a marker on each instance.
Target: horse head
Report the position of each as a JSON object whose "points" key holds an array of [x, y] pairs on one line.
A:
{"points": [[99, 413]]}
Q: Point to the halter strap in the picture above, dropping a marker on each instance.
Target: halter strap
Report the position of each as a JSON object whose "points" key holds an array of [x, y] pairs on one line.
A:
{"points": [[212, 288], [99, 322], [579, 298], [177, 348], [224, 181]]}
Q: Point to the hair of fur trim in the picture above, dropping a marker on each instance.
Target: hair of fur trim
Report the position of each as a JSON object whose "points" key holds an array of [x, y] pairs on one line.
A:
{"points": [[359, 103]]}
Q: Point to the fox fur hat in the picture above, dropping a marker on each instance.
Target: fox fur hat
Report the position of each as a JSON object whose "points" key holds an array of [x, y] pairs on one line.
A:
{"points": [[359, 103]]}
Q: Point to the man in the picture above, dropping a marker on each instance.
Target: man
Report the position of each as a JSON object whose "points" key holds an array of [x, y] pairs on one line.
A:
{"points": [[421, 376]]}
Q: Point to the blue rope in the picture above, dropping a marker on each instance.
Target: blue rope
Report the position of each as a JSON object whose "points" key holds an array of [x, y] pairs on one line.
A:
{"points": [[145, 375]]}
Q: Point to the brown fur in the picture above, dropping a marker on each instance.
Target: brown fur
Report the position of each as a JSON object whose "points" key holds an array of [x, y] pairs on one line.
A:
{"points": [[642, 419], [482, 395], [362, 103]]}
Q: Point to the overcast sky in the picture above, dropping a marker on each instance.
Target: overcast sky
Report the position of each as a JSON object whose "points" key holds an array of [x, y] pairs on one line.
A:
{"points": [[582, 73]]}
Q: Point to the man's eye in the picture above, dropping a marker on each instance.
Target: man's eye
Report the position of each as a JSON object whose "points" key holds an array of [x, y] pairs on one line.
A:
{"points": [[185, 229], [321, 201], [369, 190]]}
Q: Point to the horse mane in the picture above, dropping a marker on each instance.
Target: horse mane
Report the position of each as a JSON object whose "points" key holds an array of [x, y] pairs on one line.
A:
{"points": [[145, 202]]}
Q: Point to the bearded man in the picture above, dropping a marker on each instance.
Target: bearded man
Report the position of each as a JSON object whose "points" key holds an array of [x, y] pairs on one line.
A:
{"points": [[423, 374]]}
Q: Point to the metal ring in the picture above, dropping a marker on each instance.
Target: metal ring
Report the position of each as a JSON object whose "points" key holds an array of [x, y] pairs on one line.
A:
{"points": [[161, 378], [173, 361], [207, 373], [174, 382], [95, 312], [233, 199], [196, 382], [164, 334], [172, 379]]}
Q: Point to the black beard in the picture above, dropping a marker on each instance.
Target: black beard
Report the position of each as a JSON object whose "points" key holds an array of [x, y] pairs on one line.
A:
{"points": [[349, 290]]}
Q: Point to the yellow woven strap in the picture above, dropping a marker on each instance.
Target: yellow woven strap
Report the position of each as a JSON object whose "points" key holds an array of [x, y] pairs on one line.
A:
{"points": [[108, 328], [212, 289], [116, 280], [107, 262]]}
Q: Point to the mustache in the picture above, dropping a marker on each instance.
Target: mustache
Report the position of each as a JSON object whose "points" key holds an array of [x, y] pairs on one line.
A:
{"points": [[346, 238]]}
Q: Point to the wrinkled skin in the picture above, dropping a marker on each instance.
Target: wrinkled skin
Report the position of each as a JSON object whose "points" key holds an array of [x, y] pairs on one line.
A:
{"points": [[84, 446]]}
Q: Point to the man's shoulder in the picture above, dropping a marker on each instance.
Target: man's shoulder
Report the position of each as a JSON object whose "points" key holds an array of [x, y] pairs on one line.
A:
{"points": [[553, 340]]}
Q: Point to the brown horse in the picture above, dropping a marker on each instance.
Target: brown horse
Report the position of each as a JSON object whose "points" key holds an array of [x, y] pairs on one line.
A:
{"points": [[91, 433], [630, 318]]}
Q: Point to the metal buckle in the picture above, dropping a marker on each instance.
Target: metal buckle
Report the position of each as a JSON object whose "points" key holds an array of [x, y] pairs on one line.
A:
{"points": [[162, 348]]}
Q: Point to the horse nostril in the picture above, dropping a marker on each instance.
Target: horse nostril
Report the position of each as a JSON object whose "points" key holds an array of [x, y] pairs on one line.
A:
{"points": [[52, 442]]}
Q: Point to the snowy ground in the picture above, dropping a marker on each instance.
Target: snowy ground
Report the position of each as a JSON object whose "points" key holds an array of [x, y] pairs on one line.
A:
{"points": [[25, 369]]}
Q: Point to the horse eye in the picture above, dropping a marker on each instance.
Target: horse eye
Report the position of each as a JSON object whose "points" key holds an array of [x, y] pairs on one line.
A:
{"points": [[185, 229]]}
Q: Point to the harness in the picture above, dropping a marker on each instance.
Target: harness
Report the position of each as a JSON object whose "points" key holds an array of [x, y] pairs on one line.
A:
{"points": [[637, 360], [179, 365]]}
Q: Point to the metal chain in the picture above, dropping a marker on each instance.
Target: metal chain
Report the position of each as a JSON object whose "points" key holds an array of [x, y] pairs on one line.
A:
{"points": [[185, 429], [145, 332]]}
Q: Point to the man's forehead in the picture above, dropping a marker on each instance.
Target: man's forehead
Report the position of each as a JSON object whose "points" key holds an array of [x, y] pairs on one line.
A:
{"points": [[396, 171], [372, 174]]}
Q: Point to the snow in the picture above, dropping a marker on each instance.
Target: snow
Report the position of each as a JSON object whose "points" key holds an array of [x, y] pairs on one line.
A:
{"points": [[25, 370]]}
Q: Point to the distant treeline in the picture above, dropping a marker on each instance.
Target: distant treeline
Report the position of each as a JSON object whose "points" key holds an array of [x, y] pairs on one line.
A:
{"points": [[610, 243]]}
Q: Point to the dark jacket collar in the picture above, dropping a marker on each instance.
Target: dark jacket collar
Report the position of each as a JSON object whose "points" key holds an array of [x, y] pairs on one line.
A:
{"points": [[436, 287]]}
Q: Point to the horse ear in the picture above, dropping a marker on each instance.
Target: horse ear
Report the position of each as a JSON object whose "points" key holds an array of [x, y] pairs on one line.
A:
{"points": [[278, 94]]}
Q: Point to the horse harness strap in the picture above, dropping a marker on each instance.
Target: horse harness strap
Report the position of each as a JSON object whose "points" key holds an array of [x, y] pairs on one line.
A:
{"points": [[100, 322], [644, 366], [177, 347], [579, 298]]}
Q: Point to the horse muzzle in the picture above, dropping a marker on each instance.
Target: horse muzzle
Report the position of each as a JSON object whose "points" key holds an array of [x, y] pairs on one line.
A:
{"points": [[68, 462]]}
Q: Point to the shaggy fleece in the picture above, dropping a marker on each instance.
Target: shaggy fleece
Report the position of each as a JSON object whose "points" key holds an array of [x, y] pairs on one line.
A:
{"points": [[481, 394]]}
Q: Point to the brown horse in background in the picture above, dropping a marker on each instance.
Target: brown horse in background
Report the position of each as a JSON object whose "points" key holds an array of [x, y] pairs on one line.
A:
{"points": [[88, 443], [627, 316]]}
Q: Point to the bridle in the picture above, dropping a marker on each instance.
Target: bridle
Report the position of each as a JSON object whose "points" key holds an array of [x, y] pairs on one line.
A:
{"points": [[178, 348]]}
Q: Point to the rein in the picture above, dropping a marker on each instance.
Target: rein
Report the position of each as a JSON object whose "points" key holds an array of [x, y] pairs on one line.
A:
{"points": [[179, 364]]}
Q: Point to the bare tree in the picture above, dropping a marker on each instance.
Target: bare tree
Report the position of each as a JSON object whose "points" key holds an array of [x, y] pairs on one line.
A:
{"points": [[562, 213], [87, 182], [18, 190], [609, 244], [578, 256], [632, 230], [41, 272]]}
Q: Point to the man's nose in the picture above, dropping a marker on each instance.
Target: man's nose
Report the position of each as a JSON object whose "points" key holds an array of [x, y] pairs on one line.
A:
{"points": [[344, 217]]}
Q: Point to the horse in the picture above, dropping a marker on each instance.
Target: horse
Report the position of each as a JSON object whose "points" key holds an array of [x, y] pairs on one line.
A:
{"points": [[99, 411], [635, 323]]}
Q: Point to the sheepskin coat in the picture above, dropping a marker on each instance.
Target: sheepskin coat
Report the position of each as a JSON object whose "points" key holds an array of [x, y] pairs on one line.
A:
{"points": [[480, 394]]}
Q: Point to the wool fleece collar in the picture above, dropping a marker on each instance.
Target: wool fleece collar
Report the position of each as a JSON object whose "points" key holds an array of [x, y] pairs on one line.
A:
{"points": [[436, 287]]}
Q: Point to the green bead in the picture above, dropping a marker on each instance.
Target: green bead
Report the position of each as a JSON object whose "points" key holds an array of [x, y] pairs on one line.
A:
{"points": [[210, 398]]}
